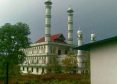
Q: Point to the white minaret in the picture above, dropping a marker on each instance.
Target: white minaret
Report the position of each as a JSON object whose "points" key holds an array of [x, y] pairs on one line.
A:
{"points": [[93, 37], [80, 53], [80, 40], [48, 4], [70, 25]]}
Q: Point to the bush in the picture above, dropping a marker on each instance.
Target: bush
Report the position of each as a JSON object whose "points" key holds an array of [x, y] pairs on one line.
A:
{"points": [[50, 78]]}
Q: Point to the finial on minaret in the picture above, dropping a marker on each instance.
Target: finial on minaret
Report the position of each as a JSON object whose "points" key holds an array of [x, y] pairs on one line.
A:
{"points": [[70, 25], [48, 1], [79, 28], [93, 37]]}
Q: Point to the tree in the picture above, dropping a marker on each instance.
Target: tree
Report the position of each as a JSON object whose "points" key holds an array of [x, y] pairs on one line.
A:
{"points": [[12, 39], [53, 66], [70, 63]]}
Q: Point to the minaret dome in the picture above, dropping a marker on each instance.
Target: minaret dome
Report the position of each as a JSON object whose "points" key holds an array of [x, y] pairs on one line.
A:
{"points": [[93, 37], [70, 10], [79, 33]]}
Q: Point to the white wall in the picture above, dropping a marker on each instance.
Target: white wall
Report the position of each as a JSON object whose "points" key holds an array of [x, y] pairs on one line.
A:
{"points": [[104, 64]]}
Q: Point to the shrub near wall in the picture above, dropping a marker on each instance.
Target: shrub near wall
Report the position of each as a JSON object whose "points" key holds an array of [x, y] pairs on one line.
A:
{"points": [[51, 76], [48, 79], [44, 78]]}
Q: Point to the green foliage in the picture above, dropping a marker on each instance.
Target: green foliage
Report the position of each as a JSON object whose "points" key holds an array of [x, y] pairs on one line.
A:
{"points": [[49, 79], [46, 79], [12, 39], [53, 66], [62, 82], [70, 63], [48, 82]]}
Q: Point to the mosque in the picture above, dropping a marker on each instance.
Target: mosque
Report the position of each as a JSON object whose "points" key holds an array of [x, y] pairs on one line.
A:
{"points": [[42, 52]]}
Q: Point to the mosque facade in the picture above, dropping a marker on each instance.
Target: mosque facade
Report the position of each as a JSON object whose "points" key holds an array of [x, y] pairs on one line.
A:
{"points": [[51, 47]]}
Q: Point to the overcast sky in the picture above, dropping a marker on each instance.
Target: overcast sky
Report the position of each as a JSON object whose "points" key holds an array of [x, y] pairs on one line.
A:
{"points": [[93, 16]]}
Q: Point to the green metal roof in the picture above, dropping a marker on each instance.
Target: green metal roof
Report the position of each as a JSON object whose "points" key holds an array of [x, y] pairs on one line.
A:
{"points": [[88, 46]]}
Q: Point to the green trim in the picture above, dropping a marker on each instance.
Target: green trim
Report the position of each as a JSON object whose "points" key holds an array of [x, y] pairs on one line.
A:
{"points": [[88, 46]]}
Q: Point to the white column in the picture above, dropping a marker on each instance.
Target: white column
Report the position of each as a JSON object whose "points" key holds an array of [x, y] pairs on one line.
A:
{"points": [[39, 50], [40, 70]]}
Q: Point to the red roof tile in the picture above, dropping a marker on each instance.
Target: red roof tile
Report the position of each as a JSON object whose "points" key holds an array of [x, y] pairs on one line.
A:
{"points": [[53, 38]]}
